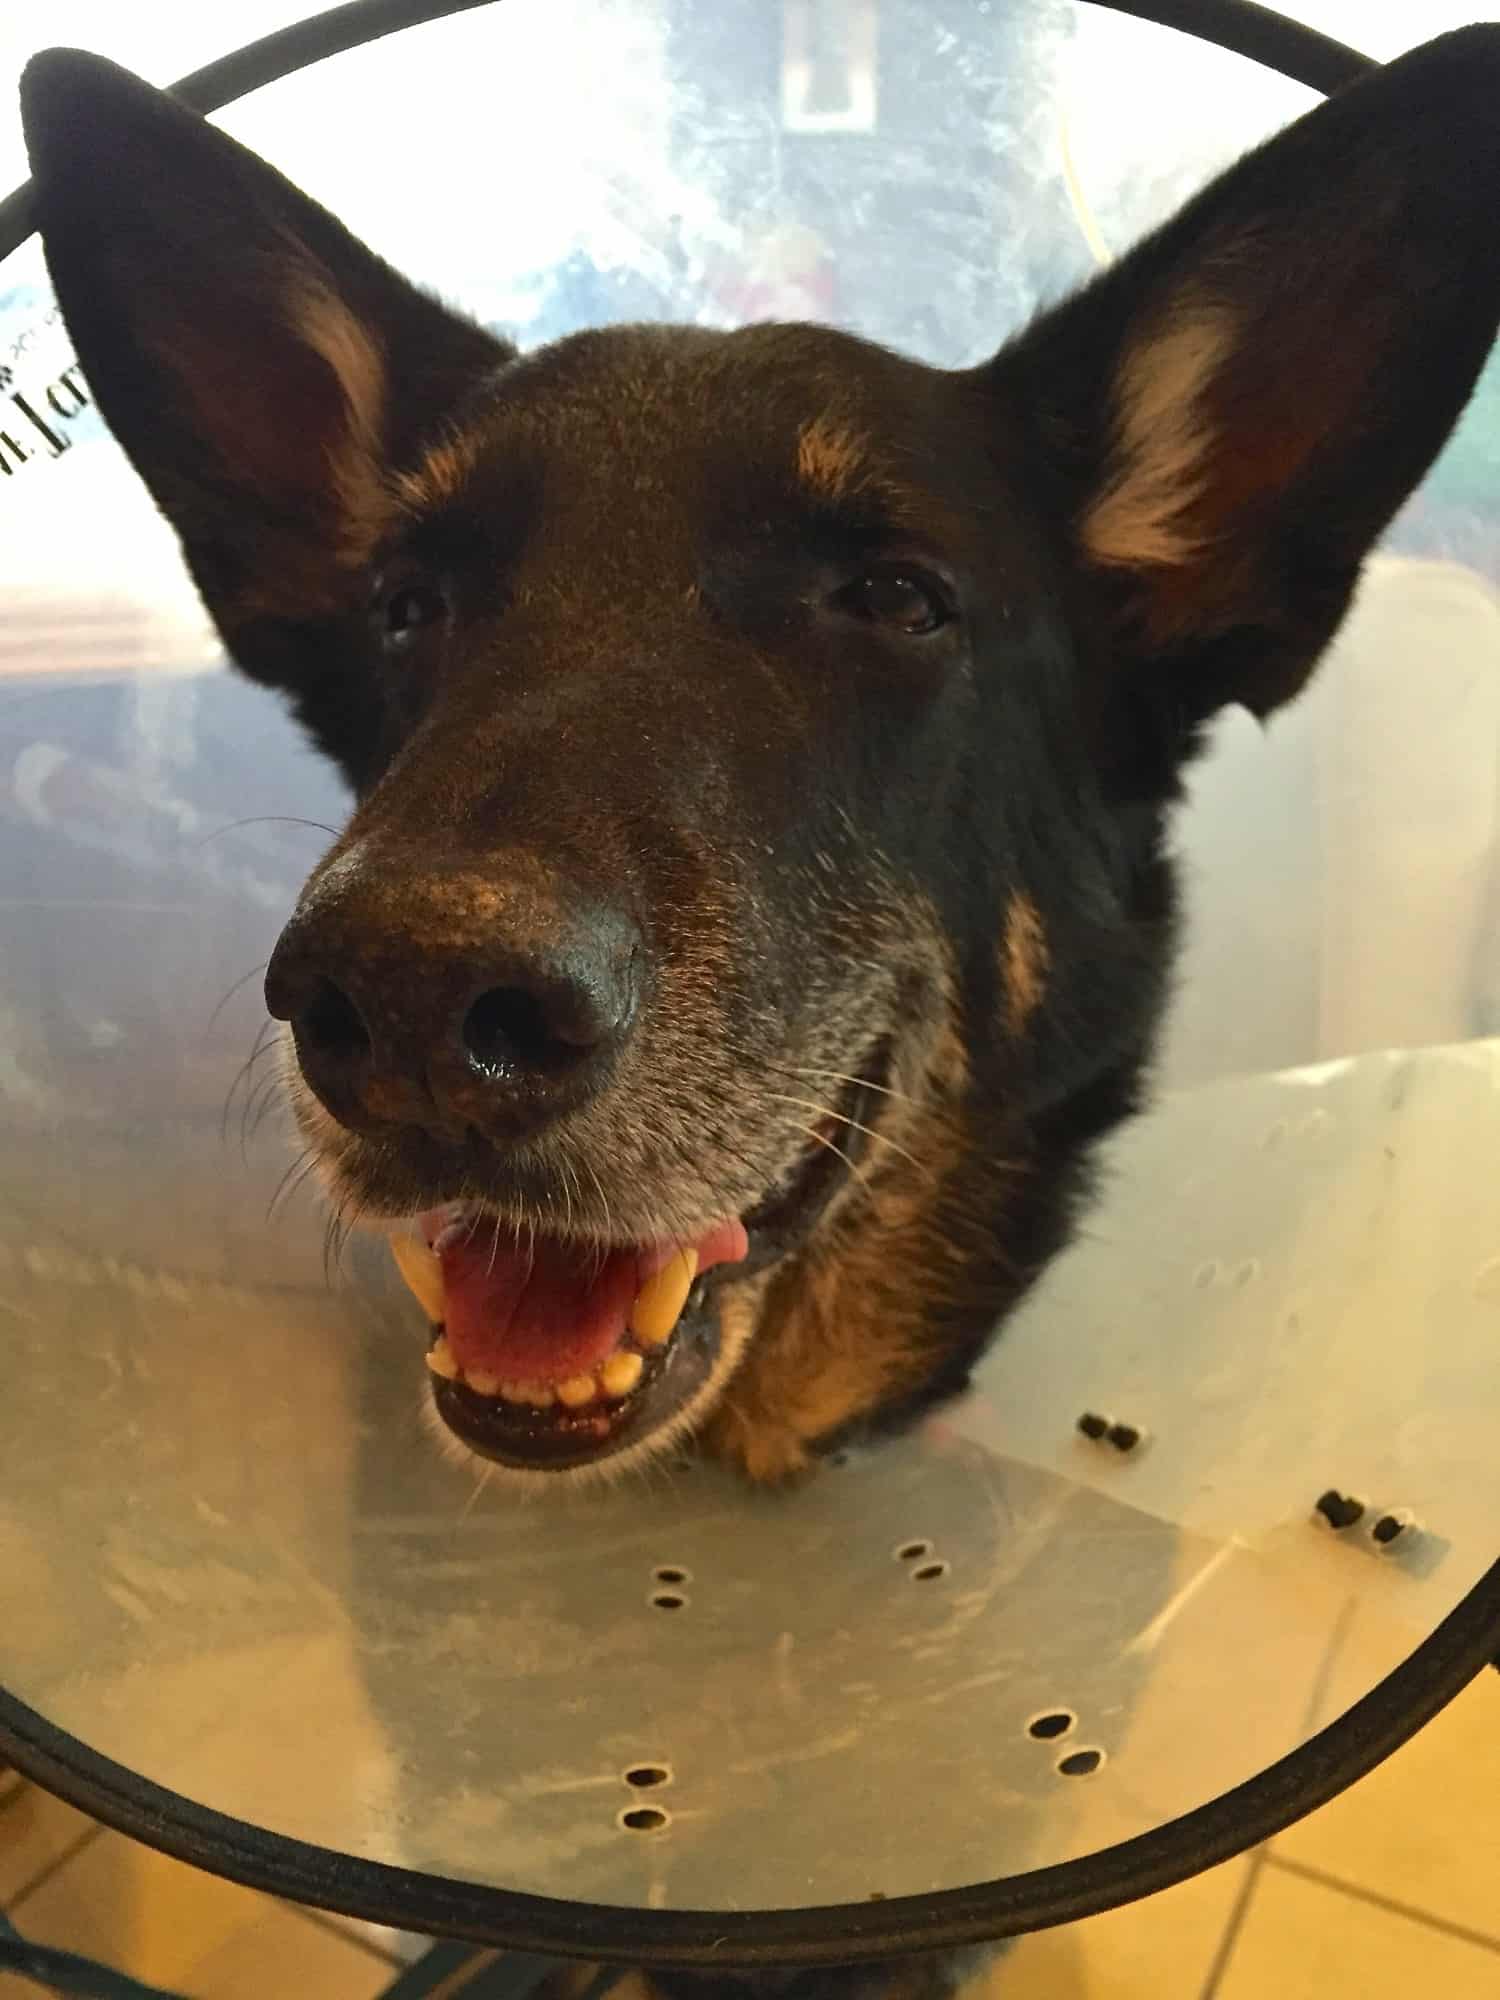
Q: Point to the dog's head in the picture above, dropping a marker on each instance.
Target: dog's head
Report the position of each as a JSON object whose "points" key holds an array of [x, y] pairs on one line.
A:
{"points": [[754, 901]]}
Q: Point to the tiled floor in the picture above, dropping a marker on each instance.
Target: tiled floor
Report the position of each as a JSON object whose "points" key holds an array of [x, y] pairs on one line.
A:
{"points": [[66, 1882], [1393, 1889]]}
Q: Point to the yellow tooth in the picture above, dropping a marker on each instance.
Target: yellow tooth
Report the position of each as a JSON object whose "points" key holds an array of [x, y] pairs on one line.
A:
{"points": [[483, 1383], [620, 1374], [538, 1394], [423, 1274], [659, 1303], [576, 1391], [511, 1391], [442, 1360]]}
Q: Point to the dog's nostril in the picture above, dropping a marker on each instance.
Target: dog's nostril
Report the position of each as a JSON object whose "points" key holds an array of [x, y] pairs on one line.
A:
{"points": [[509, 1026], [331, 1024]]}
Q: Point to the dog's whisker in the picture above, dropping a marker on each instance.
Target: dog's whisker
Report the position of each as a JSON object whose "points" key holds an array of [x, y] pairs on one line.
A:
{"points": [[479, 1485], [336, 1230], [567, 1189], [268, 819], [350, 1224], [858, 1172], [854, 1125], [239, 984], [263, 1043], [262, 1092], [603, 1197], [294, 1177], [330, 1236], [717, 1201], [843, 1076], [266, 1097]]}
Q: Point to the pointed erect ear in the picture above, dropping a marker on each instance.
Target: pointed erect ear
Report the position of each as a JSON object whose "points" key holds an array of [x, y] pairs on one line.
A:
{"points": [[268, 375], [1234, 412]]}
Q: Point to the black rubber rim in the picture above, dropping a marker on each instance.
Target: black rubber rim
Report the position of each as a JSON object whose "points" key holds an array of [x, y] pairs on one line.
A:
{"points": [[840, 1934]]}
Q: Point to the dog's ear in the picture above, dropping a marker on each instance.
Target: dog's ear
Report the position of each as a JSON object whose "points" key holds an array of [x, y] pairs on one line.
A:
{"points": [[1232, 414], [267, 374]]}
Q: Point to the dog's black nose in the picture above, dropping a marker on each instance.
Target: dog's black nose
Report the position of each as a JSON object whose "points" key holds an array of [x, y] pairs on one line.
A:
{"points": [[454, 1004]]}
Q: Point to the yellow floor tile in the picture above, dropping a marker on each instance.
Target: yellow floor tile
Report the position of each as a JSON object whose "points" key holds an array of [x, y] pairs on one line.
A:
{"points": [[1160, 1949], [173, 1926], [287, 1954], [1302, 1941], [34, 1830], [1423, 1829]]}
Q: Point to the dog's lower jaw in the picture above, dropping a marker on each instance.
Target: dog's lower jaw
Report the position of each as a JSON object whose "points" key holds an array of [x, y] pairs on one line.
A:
{"points": [[821, 1360], [739, 1304], [844, 1331]]}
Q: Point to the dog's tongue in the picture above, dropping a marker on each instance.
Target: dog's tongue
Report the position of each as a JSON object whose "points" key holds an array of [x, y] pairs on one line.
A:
{"points": [[543, 1310]]}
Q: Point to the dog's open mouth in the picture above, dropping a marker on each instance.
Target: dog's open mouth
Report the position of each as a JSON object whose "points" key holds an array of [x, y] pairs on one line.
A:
{"points": [[549, 1353]]}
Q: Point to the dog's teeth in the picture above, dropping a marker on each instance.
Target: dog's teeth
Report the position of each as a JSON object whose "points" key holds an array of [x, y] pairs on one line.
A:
{"points": [[442, 1360], [483, 1383], [660, 1301], [620, 1374], [540, 1395], [422, 1273], [577, 1391], [511, 1390]]}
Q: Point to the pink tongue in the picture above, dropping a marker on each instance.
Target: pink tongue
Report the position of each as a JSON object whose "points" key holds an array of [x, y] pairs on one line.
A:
{"points": [[543, 1312]]}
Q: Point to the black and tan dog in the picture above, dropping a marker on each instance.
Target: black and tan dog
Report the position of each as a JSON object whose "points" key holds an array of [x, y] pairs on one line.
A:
{"points": [[755, 905]]}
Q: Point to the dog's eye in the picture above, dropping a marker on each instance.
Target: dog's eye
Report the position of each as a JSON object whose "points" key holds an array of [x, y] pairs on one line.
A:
{"points": [[905, 599], [410, 609]]}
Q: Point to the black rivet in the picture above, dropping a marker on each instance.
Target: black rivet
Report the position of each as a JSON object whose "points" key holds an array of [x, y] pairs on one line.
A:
{"points": [[1045, 1728], [1338, 1509], [644, 1776], [1093, 1426], [1124, 1437], [668, 1600], [645, 1819], [1389, 1528], [1080, 1763]]}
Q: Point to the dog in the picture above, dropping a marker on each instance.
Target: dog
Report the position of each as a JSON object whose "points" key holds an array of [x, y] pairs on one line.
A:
{"points": [[755, 906]]}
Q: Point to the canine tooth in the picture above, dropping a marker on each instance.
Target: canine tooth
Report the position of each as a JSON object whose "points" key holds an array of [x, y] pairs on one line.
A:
{"points": [[483, 1383], [442, 1360], [576, 1391], [422, 1273], [620, 1374], [659, 1303]]}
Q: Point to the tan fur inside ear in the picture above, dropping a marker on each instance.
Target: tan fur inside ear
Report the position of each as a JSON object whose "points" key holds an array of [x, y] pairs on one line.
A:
{"points": [[327, 326], [287, 404], [1165, 437]]}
